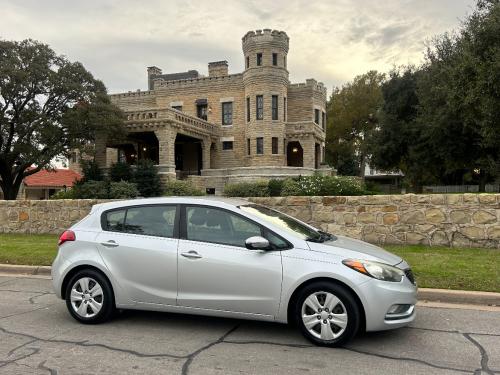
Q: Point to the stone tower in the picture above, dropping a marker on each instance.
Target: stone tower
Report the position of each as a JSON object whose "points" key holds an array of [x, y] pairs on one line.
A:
{"points": [[265, 81]]}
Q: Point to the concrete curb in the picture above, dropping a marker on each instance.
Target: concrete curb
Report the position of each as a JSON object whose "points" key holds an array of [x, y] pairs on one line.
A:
{"points": [[25, 270], [424, 294]]}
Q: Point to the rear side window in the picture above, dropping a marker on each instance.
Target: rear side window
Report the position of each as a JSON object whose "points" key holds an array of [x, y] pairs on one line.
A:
{"points": [[146, 220], [115, 220]]}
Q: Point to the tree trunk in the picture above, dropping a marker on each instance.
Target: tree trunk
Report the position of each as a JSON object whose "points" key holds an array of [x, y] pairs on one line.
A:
{"points": [[362, 166], [10, 187]]}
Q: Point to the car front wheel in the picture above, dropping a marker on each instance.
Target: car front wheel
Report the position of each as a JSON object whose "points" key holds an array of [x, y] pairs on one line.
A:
{"points": [[327, 314], [89, 297]]}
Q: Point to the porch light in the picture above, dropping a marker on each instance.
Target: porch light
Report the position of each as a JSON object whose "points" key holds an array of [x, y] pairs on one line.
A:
{"points": [[295, 149], [144, 149]]}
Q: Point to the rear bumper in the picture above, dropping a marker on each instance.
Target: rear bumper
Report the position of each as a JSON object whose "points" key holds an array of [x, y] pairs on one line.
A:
{"points": [[379, 296], [58, 271]]}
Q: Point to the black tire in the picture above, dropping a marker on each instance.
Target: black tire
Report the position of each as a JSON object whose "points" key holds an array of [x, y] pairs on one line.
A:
{"points": [[108, 302], [349, 305]]}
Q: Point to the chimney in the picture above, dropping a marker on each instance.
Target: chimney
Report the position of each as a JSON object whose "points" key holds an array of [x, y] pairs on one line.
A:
{"points": [[218, 68], [153, 71]]}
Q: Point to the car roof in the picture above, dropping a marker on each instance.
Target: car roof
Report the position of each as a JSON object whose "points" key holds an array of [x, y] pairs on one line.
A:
{"points": [[211, 201]]}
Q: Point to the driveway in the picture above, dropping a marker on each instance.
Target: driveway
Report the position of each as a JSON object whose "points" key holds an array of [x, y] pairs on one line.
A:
{"points": [[37, 336]]}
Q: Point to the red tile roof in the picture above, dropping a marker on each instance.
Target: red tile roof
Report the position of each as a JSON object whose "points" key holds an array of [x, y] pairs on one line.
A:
{"points": [[53, 178]]}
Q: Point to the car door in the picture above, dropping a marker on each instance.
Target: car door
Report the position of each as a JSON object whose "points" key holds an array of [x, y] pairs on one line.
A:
{"points": [[215, 269], [139, 246]]}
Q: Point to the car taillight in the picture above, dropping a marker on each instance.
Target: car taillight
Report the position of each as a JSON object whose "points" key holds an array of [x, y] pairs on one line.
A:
{"points": [[68, 235]]}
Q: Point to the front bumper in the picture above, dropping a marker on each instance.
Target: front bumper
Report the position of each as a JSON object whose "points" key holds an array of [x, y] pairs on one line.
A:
{"points": [[379, 297]]}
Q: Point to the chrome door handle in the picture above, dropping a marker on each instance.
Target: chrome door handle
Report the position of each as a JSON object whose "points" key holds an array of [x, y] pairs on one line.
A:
{"points": [[110, 243], [191, 254]]}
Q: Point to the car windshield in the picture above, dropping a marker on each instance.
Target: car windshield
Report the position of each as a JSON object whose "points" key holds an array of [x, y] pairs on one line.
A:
{"points": [[288, 223]]}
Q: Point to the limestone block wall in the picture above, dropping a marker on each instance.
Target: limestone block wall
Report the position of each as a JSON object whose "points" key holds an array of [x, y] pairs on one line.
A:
{"points": [[437, 219]]}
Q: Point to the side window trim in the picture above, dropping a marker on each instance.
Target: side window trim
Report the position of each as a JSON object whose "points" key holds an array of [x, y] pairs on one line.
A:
{"points": [[175, 233]]}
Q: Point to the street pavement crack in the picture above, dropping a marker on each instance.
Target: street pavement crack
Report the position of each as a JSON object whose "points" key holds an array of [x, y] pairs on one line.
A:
{"points": [[453, 331], [384, 356], [25, 291], [484, 354], [42, 366], [190, 358], [32, 299], [26, 312], [14, 360]]}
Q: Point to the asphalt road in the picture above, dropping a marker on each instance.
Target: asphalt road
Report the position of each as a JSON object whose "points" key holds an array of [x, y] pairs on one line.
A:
{"points": [[37, 336]]}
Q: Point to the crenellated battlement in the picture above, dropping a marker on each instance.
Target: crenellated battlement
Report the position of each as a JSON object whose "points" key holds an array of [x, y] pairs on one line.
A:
{"points": [[130, 94], [265, 36], [196, 81], [312, 83]]}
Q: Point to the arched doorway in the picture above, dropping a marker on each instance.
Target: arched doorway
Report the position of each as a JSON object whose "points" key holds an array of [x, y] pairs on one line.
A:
{"points": [[294, 154]]}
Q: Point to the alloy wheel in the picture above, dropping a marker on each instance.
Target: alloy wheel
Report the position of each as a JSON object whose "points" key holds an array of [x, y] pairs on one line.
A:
{"points": [[324, 315], [86, 297]]}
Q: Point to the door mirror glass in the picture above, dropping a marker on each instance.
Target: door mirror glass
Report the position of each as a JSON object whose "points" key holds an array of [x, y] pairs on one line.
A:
{"points": [[257, 243]]}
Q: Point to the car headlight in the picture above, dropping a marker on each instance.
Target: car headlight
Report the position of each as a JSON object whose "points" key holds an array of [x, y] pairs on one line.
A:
{"points": [[377, 270]]}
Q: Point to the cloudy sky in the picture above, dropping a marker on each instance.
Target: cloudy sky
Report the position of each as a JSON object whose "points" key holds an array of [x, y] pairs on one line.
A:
{"points": [[330, 40]]}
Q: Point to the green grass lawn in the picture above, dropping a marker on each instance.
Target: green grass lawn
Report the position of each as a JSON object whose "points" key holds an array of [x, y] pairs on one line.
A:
{"points": [[452, 268], [434, 267]]}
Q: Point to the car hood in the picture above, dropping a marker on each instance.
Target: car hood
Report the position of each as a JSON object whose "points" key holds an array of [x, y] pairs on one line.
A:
{"points": [[346, 247]]}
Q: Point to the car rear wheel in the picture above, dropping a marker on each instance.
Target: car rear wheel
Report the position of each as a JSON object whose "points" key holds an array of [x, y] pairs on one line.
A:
{"points": [[327, 314], [89, 297]]}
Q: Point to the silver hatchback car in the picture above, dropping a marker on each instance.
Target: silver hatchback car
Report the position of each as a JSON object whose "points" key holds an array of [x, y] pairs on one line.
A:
{"points": [[229, 258]]}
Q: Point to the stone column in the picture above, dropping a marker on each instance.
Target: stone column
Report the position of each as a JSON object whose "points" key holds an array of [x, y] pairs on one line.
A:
{"points": [[100, 152], [308, 145], [166, 153], [205, 150]]}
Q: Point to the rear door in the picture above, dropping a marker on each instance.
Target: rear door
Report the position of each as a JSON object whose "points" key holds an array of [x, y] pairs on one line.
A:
{"points": [[139, 246], [217, 271]]}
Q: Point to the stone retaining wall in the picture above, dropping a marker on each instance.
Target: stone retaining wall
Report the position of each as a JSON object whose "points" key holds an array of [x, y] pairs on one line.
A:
{"points": [[436, 219]]}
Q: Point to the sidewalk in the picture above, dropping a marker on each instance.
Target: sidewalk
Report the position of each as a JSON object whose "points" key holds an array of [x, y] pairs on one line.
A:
{"points": [[424, 294]]}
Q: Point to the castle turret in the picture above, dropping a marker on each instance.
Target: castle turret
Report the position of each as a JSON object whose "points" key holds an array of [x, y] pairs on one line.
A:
{"points": [[265, 80]]}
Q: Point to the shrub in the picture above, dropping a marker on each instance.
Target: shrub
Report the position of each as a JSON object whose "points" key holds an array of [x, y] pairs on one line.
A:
{"points": [[147, 179], [290, 187], [61, 194], [122, 190], [275, 187], [323, 185], [247, 189], [91, 171], [181, 188], [120, 172], [91, 190]]}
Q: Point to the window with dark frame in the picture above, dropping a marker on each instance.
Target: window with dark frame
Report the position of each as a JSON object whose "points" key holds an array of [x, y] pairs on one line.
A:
{"points": [[201, 111], [227, 145], [259, 106], [248, 62], [248, 147], [248, 109], [275, 59], [260, 146], [316, 116], [275, 145], [259, 59], [323, 120], [284, 146], [227, 113], [274, 106]]}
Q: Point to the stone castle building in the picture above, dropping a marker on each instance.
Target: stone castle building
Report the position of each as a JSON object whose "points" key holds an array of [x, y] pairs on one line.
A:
{"points": [[226, 127]]}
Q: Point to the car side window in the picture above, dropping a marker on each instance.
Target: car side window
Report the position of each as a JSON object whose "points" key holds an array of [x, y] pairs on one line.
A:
{"points": [[218, 226], [151, 220], [276, 242], [114, 220]]}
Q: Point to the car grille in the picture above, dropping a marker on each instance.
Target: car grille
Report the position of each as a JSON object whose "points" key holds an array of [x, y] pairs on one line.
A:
{"points": [[409, 275]]}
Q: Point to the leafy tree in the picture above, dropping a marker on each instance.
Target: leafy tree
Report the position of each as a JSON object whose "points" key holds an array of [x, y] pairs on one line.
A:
{"points": [[147, 179], [49, 106], [120, 171], [459, 94], [352, 116]]}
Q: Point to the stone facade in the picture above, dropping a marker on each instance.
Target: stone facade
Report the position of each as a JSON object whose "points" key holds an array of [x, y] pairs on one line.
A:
{"points": [[164, 122], [449, 220]]}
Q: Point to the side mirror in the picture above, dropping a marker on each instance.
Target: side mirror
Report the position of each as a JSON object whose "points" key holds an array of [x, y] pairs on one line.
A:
{"points": [[257, 243]]}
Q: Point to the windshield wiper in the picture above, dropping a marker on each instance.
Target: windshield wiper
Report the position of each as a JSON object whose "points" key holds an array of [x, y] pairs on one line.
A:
{"points": [[323, 236]]}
